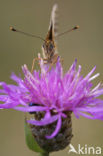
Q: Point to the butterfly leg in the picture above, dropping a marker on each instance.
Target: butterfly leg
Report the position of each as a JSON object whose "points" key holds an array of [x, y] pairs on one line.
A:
{"points": [[33, 63]]}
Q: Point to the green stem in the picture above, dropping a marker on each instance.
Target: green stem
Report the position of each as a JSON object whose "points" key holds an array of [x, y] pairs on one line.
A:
{"points": [[44, 154]]}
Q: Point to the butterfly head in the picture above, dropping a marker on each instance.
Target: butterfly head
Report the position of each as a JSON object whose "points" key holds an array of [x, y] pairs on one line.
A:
{"points": [[49, 45]]}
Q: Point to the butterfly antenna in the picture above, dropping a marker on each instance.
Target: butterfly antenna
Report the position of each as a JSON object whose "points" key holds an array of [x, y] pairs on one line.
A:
{"points": [[74, 28], [24, 33]]}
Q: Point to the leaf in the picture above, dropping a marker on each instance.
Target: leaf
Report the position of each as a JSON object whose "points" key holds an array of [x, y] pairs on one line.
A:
{"points": [[30, 140]]}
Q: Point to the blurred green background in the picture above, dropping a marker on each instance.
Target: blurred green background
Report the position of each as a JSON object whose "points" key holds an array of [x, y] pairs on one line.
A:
{"points": [[85, 44]]}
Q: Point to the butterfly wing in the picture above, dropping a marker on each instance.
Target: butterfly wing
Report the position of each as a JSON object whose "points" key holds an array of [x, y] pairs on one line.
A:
{"points": [[49, 48], [53, 27]]}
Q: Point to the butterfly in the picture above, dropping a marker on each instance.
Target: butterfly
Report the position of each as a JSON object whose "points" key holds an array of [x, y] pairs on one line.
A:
{"points": [[49, 47]]}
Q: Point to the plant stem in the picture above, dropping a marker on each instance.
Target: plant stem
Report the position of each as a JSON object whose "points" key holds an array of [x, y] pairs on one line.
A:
{"points": [[44, 154]]}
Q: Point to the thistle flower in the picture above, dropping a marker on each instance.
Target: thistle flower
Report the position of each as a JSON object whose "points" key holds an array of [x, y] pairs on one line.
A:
{"points": [[52, 96]]}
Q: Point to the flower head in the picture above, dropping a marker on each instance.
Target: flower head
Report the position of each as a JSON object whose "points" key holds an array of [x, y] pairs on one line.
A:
{"points": [[55, 94]]}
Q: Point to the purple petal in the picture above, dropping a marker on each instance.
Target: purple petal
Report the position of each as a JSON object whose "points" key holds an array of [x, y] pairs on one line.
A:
{"points": [[44, 121], [90, 73], [8, 105], [86, 115], [59, 69], [57, 129], [92, 109], [30, 109], [73, 67]]}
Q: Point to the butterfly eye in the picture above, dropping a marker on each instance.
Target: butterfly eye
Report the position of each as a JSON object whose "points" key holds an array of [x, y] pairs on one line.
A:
{"points": [[50, 47], [43, 46]]}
